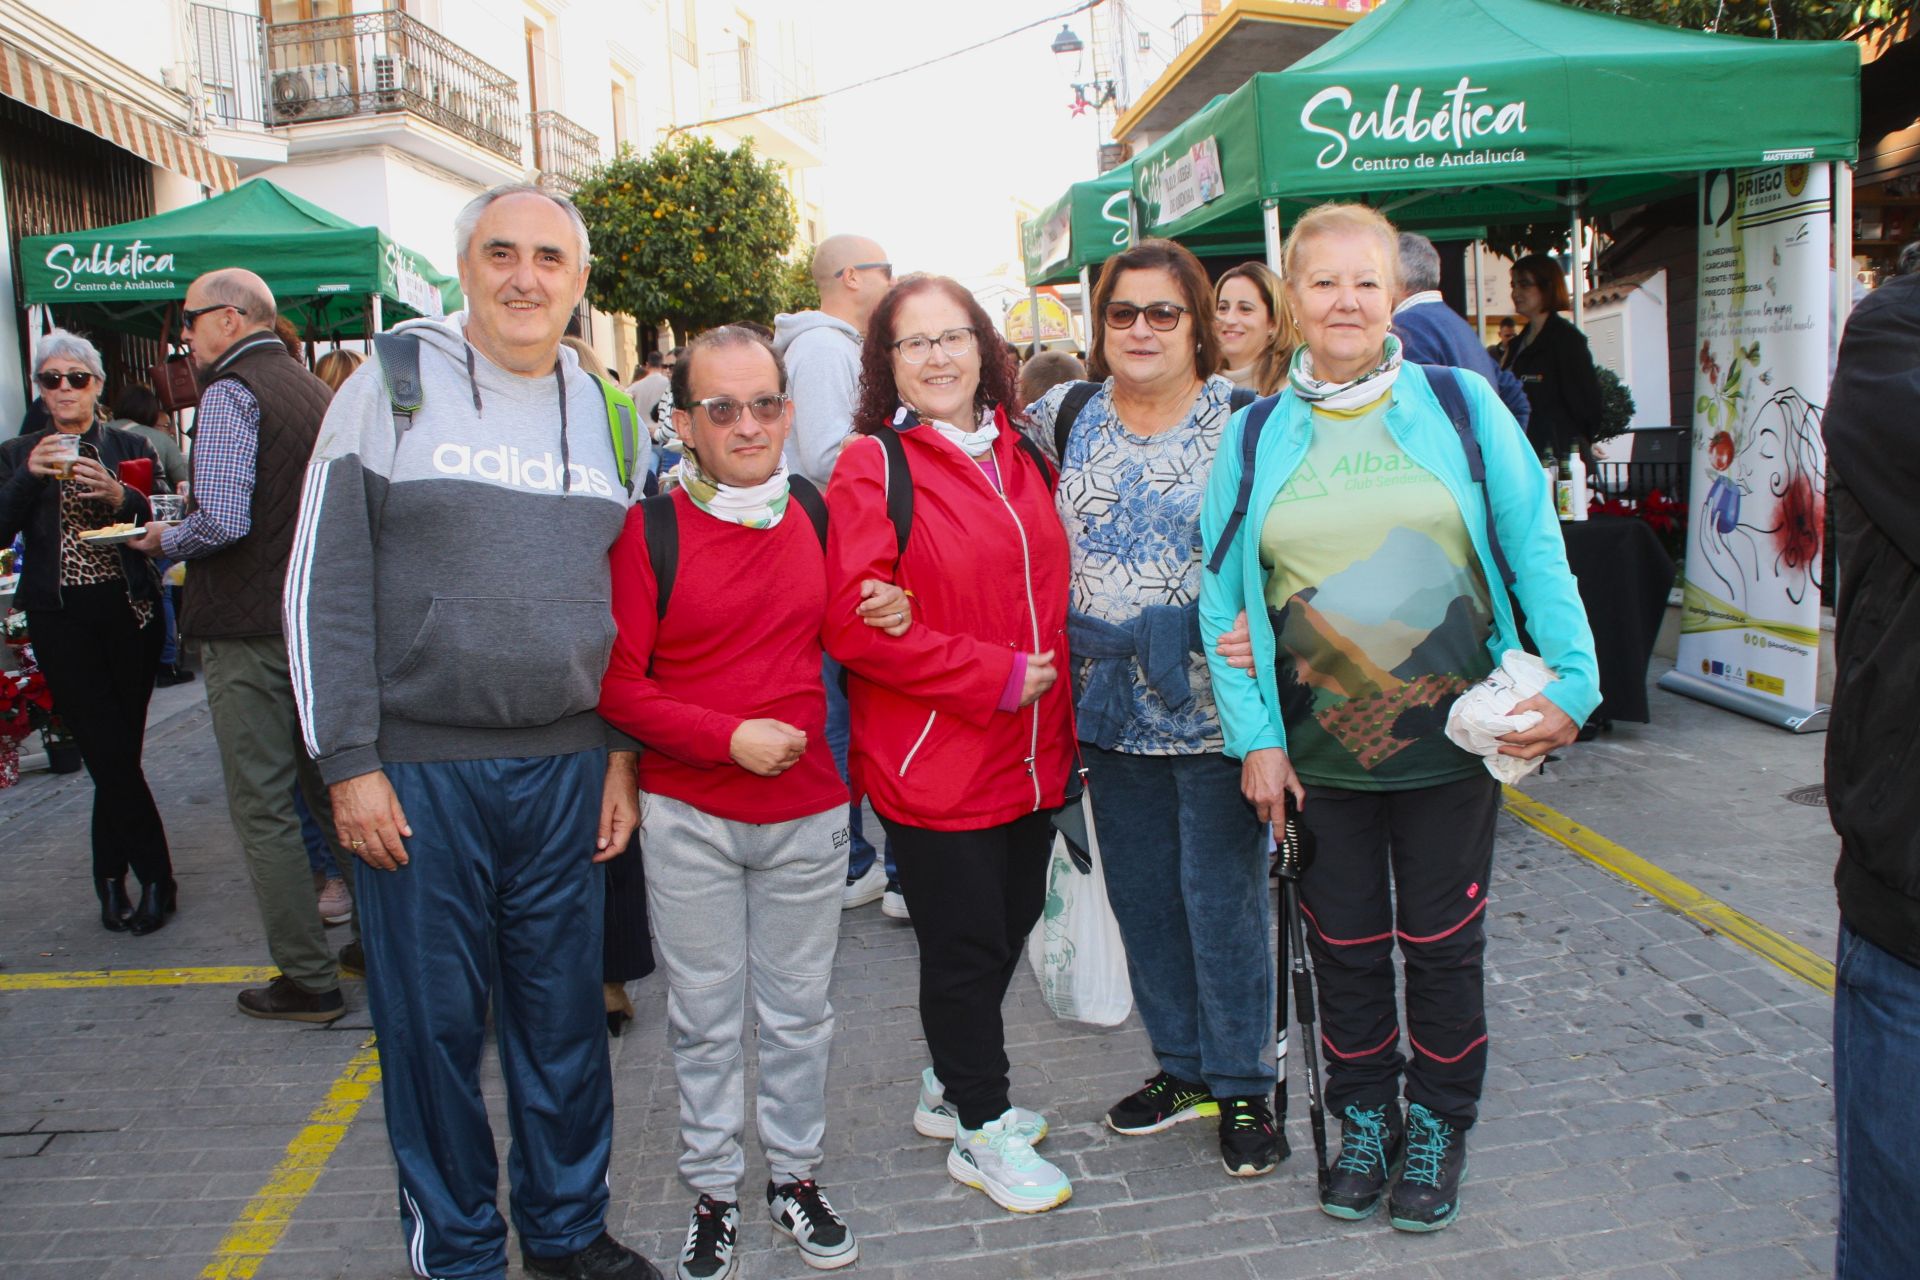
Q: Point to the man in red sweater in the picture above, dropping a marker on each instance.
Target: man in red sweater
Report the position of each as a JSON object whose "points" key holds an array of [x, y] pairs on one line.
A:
{"points": [[743, 816]]}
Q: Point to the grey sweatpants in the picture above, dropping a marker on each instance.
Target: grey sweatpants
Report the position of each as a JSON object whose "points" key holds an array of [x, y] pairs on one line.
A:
{"points": [[733, 903]]}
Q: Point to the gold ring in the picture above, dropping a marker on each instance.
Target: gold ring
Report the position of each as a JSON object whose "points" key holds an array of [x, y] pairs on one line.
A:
{"points": [[357, 844]]}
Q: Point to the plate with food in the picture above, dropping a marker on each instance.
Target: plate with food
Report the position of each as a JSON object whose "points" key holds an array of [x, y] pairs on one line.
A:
{"points": [[111, 535]]}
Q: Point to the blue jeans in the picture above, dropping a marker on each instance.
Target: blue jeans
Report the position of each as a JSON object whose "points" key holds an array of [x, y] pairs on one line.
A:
{"points": [[170, 631], [1186, 864], [1876, 1041], [319, 854], [839, 734]]}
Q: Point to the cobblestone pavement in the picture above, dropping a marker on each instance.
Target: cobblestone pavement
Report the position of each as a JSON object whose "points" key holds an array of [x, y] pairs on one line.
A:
{"points": [[1657, 1103]]}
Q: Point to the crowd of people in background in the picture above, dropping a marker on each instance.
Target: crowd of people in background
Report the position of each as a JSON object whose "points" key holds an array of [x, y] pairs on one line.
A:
{"points": [[867, 557]]}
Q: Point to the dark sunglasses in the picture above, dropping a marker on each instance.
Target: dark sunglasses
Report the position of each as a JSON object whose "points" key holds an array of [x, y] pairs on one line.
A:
{"points": [[188, 317], [724, 411], [78, 379], [1163, 316], [885, 268]]}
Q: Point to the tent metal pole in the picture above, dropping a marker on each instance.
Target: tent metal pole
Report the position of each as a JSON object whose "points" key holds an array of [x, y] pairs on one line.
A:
{"points": [[1086, 307], [1479, 296], [1579, 272], [373, 313], [1842, 246], [1270, 225]]}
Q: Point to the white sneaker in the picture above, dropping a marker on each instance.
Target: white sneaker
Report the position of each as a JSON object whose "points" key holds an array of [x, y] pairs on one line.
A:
{"points": [[894, 905], [336, 907], [868, 888], [936, 1118], [996, 1159]]}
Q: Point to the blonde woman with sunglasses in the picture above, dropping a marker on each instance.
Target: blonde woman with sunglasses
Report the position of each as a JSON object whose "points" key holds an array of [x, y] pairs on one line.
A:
{"points": [[93, 608]]}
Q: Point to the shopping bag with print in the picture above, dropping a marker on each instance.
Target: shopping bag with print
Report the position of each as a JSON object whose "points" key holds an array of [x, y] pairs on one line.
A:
{"points": [[1076, 950]]}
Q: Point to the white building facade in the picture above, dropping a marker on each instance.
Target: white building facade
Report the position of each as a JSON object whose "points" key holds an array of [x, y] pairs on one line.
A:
{"points": [[394, 113]]}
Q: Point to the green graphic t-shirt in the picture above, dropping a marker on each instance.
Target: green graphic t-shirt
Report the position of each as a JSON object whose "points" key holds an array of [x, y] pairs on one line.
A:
{"points": [[1379, 609]]}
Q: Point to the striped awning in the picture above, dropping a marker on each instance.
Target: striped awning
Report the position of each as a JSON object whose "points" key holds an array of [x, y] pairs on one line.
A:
{"points": [[26, 78]]}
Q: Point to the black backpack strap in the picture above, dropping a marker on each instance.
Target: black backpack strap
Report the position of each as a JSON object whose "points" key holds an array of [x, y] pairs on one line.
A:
{"points": [[1249, 449], [899, 486], [1048, 472], [1240, 397], [662, 526], [1446, 387], [802, 491], [1070, 406], [399, 355]]}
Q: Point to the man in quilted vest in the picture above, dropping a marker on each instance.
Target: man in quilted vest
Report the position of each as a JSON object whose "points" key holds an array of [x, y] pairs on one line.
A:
{"points": [[259, 415]]}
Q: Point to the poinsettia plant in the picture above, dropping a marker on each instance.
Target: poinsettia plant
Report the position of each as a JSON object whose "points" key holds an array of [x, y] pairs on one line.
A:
{"points": [[26, 703]]}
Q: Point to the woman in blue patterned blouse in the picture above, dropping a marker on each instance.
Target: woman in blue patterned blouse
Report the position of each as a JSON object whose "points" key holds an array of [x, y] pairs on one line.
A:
{"points": [[1185, 853]]}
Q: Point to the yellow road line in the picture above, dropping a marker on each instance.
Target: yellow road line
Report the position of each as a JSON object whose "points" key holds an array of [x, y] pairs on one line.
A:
{"points": [[260, 1225], [1699, 907], [133, 978]]}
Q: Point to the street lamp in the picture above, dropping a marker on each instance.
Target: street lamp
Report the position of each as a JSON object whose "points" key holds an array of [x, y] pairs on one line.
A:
{"points": [[1067, 45]]}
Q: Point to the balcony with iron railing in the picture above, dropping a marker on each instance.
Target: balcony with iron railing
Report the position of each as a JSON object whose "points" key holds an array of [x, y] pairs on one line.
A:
{"points": [[1189, 27], [562, 151], [383, 62], [739, 81], [227, 58]]}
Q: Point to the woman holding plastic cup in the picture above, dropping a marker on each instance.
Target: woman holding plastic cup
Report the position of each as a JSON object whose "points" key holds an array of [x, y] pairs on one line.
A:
{"points": [[93, 612]]}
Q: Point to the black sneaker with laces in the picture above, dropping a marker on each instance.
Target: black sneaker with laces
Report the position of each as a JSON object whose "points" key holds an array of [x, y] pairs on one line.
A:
{"points": [[708, 1254], [1426, 1195], [1250, 1144], [1165, 1102], [604, 1259], [801, 1211], [1371, 1141]]}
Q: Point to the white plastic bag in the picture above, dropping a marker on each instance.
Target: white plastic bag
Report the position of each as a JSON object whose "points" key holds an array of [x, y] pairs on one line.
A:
{"points": [[1481, 716], [1076, 950]]}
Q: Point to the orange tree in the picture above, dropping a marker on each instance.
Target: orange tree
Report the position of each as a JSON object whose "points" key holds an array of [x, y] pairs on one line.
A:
{"points": [[691, 234]]}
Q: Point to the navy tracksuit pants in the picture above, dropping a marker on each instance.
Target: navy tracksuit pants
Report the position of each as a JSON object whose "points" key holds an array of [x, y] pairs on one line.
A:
{"points": [[500, 900]]}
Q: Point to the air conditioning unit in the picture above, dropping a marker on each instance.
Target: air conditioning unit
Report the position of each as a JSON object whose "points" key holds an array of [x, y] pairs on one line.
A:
{"points": [[316, 91]]}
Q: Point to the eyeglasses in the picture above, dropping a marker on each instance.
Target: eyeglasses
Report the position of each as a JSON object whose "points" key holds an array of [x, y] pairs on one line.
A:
{"points": [[1161, 316], [884, 268], [188, 317], [78, 379], [724, 411], [918, 349]]}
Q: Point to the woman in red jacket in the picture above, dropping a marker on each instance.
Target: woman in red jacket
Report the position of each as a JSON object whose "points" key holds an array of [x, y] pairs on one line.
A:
{"points": [[961, 736]]}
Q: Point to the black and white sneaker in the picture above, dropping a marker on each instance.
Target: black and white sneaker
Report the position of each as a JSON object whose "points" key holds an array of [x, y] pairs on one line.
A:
{"points": [[800, 1210], [710, 1235]]}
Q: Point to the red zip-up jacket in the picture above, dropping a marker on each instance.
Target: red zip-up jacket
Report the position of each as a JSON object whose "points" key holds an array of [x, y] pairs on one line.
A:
{"points": [[988, 574]]}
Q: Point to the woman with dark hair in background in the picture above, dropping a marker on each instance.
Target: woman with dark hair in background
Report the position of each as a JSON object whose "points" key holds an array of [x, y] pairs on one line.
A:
{"points": [[1552, 360], [1185, 854], [1256, 337], [961, 738]]}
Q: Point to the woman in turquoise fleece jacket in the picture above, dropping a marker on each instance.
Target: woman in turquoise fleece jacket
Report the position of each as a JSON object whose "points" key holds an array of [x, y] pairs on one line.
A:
{"points": [[1372, 600]]}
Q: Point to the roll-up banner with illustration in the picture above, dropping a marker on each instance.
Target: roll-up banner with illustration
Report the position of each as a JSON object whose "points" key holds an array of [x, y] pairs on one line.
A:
{"points": [[1750, 620]]}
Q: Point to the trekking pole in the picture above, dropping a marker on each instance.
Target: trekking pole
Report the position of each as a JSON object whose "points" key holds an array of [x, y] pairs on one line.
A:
{"points": [[1280, 1020], [1296, 855]]}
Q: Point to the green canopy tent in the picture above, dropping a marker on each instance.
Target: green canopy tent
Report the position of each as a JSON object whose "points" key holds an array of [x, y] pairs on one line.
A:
{"points": [[1452, 114], [1082, 229], [1075, 234], [329, 276]]}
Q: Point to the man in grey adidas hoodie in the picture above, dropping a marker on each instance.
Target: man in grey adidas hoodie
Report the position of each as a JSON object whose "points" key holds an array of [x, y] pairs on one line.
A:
{"points": [[821, 351], [448, 622]]}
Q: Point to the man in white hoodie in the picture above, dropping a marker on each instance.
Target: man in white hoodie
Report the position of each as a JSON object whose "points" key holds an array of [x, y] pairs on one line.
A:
{"points": [[821, 350]]}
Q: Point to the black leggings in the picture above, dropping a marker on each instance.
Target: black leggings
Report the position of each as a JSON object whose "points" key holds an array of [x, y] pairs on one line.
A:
{"points": [[974, 897], [100, 666], [1437, 844]]}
